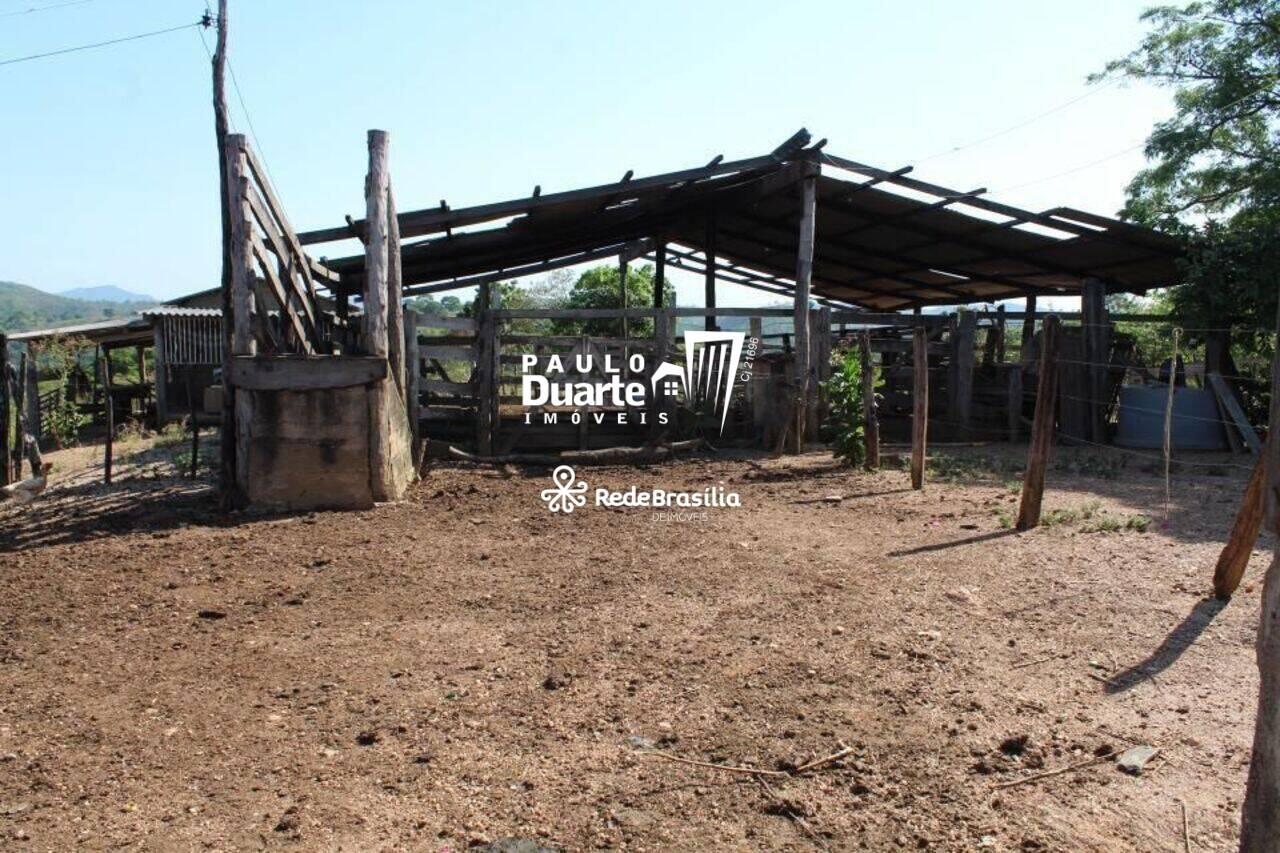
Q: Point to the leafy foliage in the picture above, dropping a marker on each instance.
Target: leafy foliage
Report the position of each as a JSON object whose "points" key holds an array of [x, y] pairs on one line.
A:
{"points": [[846, 424], [56, 358], [1214, 177], [598, 288]]}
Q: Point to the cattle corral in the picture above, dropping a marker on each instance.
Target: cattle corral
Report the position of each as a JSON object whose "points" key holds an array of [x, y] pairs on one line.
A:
{"points": [[462, 666]]}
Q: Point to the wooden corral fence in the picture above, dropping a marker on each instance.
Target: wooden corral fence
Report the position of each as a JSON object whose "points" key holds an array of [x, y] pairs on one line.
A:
{"points": [[277, 310]]}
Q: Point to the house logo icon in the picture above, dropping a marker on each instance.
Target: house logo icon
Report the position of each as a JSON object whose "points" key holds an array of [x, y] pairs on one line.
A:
{"points": [[710, 368]]}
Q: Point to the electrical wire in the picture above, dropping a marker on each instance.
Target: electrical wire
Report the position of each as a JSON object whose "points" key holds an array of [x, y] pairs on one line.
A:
{"points": [[122, 40], [33, 9], [1018, 126]]}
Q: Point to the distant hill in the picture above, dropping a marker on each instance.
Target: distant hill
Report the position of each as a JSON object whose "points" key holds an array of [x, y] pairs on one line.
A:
{"points": [[23, 308], [107, 293]]}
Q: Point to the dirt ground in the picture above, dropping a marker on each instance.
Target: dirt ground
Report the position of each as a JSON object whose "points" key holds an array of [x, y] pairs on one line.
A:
{"points": [[465, 667]]}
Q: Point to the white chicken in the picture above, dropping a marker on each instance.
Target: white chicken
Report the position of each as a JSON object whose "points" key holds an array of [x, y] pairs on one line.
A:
{"points": [[26, 491]]}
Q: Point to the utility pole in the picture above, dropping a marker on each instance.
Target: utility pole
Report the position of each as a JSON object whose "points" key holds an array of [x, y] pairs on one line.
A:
{"points": [[227, 473]]}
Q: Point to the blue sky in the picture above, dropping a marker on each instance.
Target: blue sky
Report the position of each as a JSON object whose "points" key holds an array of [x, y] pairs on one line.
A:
{"points": [[110, 174]]}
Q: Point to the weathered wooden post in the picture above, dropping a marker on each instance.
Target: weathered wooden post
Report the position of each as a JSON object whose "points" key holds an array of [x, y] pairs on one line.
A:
{"points": [[1042, 428], [919, 403], [6, 466], [1014, 400], [870, 410], [395, 298], [485, 340], [709, 280], [1234, 558], [20, 408], [1097, 344], [242, 310], [35, 418], [1028, 329], [412, 381], [227, 483], [104, 367], [804, 278], [962, 358], [1260, 822], [377, 340], [659, 274]]}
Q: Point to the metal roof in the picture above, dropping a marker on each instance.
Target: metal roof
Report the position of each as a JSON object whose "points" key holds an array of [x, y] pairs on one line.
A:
{"points": [[885, 241]]}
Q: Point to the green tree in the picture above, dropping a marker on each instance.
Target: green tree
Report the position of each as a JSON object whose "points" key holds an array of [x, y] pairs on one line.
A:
{"points": [[1214, 166], [598, 288]]}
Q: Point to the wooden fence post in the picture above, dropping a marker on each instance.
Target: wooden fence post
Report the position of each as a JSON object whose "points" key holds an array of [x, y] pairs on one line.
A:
{"points": [[1234, 558], [104, 374], [1260, 821], [919, 404], [242, 337], [6, 469], [1043, 428], [376, 258], [870, 410]]}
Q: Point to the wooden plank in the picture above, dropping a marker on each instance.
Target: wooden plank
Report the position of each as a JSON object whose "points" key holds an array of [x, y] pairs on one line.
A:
{"points": [[448, 353], [305, 373], [919, 406], [1228, 401], [300, 331], [288, 263], [455, 324], [870, 409], [1028, 319], [1041, 429], [1234, 558]]}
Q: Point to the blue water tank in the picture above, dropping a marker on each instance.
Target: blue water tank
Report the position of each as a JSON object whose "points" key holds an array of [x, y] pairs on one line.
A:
{"points": [[1196, 422]]}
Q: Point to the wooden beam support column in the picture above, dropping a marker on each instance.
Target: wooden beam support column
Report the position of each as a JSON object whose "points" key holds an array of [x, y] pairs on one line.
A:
{"points": [[659, 275], [1028, 329], [242, 310], [104, 368], [709, 275], [804, 279], [870, 409], [1042, 429], [1097, 346], [962, 359], [486, 339], [919, 403]]}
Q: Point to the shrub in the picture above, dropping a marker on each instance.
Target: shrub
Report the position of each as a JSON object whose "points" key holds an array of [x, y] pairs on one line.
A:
{"points": [[846, 427]]}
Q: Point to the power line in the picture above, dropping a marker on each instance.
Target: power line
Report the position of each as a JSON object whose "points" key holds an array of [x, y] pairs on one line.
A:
{"points": [[32, 9], [66, 50], [1011, 128]]}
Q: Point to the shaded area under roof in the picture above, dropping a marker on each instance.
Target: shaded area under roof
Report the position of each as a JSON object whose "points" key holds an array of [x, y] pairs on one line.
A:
{"points": [[885, 241]]}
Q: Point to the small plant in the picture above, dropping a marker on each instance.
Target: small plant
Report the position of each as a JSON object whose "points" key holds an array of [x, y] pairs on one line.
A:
{"points": [[1105, 524], [1059, 517], [1004, 517], [846, 426], [1138, 523]]}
